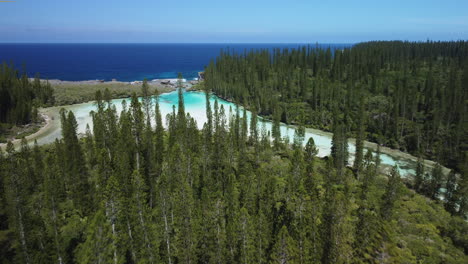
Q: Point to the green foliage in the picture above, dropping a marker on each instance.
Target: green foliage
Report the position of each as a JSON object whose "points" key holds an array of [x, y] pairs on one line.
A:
{"points": [[285, 249], [98, 246], [406, 95], [391, 194], [339, 149], [66, 93], [20, 97], [133, 193], [360, 136], [426, 231], [207, 199]]}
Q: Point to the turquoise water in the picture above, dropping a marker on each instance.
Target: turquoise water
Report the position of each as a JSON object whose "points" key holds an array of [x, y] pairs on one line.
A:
{"points": [[195, 105]]}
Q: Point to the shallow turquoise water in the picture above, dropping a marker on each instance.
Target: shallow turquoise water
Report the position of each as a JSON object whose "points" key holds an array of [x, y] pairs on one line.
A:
{"points": [[195, 105]]}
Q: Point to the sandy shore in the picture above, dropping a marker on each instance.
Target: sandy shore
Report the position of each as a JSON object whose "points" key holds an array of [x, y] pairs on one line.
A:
{"points": [[46, 125], [52, 121], [86, 90]]}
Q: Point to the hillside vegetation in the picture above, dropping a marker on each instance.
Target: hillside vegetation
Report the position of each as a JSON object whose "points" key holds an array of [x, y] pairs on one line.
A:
{"points": [[131, 193], [413, 95]]}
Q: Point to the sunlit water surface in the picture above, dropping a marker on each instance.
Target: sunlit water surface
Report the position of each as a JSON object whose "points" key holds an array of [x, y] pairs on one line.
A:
{"points": [[195, 105]]}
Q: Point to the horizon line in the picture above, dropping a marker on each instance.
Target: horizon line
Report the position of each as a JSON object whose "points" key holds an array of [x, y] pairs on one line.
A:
{"points": [[283, 43], [23, 42]]}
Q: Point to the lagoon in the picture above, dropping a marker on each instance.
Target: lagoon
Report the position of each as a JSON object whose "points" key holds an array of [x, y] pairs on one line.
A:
{"points": [[195, 105]]}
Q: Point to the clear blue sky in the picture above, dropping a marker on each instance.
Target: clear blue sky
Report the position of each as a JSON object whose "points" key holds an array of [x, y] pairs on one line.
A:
{"points": [[208, 21]]}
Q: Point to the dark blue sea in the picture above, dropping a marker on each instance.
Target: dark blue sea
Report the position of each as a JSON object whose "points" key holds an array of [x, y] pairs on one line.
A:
{"points": [[124, 62]]}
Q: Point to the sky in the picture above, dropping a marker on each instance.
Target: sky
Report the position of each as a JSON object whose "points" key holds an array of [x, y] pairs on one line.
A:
{"points": [[238, 21]]}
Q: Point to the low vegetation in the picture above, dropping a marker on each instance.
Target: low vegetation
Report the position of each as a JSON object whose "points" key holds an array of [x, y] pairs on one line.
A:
{"points": [[20, 98], [79, 92]]}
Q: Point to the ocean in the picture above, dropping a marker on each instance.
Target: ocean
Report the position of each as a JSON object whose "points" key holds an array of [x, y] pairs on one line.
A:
{"points": [[124, 62], [128, 62]]}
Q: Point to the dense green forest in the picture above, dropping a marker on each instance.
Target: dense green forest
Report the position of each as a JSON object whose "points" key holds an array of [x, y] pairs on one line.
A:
{"points": [[20, 97], [414, 94], [128, 192]]}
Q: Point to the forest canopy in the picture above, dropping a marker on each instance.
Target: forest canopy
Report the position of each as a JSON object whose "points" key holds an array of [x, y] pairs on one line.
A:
{"points": [[131, 193], [231, 192], [20, 97], [414, 94]]}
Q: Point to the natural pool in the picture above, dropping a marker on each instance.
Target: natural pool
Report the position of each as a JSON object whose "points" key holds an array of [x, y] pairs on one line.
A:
{"points": [[195, 105]]}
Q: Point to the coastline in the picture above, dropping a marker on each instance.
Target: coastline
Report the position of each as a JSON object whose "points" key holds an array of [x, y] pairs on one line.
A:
{"points": [[30, 138], [394, 153], [52, 120], [50, 114], [73, 92], [167, 82]]}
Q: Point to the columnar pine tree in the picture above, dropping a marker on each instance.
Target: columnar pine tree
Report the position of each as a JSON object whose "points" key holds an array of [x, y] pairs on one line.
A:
{"points": [[339, 149], [391, 194], [275, 130], [360, 136], [450, 196], [419, 176], [435, 182]]}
